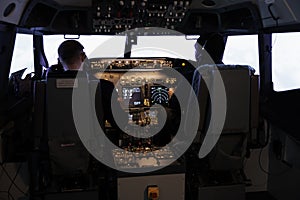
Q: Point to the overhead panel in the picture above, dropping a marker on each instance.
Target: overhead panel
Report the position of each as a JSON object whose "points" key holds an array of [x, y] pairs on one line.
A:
{"points": [[214, 4], [118, 16], [80, 3]]}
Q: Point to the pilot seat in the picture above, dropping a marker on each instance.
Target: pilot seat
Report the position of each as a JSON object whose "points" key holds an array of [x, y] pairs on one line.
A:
{"points": [[68, 157], [222, 140]]}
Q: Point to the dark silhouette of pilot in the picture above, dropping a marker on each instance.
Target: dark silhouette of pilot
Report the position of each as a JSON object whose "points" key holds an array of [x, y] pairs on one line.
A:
{"points": [[213, 44], [72, 57]]}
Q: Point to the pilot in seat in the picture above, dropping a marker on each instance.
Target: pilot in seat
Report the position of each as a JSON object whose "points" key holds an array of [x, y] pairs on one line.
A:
{"points": [[72, 57], [213, 44]]}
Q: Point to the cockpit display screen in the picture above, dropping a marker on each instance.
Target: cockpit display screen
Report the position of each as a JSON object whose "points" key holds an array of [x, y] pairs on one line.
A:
{"points": [[159, 94], [132, 96]]}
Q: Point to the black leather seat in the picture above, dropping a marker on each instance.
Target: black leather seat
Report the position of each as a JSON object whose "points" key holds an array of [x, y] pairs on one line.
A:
{"points": [[224, 140], [67, 153]]}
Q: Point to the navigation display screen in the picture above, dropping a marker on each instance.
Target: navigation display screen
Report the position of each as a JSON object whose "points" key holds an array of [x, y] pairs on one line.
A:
{"points": [[159, 94]]}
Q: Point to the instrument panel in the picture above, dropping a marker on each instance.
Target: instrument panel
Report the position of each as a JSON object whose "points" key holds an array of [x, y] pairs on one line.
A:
{"points": [[139, 82], [143, 157], [136, 64], [145, 88]]}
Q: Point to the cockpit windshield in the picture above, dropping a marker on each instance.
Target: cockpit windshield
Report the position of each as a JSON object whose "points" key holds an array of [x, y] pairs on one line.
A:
{"points": [[113, 46], [94, 46]]}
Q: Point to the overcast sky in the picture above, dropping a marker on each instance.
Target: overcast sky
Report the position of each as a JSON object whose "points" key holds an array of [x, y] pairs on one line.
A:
{"points": [[239, 50]]}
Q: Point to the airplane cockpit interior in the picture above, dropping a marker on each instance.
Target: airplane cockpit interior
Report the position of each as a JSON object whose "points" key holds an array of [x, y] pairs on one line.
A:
{"points": [[181, 100]]}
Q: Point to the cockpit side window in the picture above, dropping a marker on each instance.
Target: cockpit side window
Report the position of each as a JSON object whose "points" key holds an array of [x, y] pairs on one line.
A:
{"points": [[242, 50], [285, 61], [23, 54]]}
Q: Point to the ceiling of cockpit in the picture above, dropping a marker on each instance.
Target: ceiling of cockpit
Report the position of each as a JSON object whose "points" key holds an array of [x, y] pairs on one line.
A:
{"points": [[115, 16], [84, 3]]}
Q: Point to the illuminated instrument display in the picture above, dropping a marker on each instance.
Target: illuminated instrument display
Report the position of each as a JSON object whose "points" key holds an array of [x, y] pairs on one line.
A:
{"points": [[122, 64], [144, 87], [159, 94], [143, 157], [132, 96]]}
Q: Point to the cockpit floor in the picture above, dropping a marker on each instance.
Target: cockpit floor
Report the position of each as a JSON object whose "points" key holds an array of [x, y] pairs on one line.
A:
{"points": [[259, 196]]}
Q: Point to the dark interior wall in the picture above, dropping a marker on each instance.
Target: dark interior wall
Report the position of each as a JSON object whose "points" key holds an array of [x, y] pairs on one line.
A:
{"points": [[7, 41], [282, 109]]}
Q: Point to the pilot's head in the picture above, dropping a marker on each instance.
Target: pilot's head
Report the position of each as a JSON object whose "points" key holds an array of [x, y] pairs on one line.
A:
{"points": [[71, 55], [213, 44]]}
